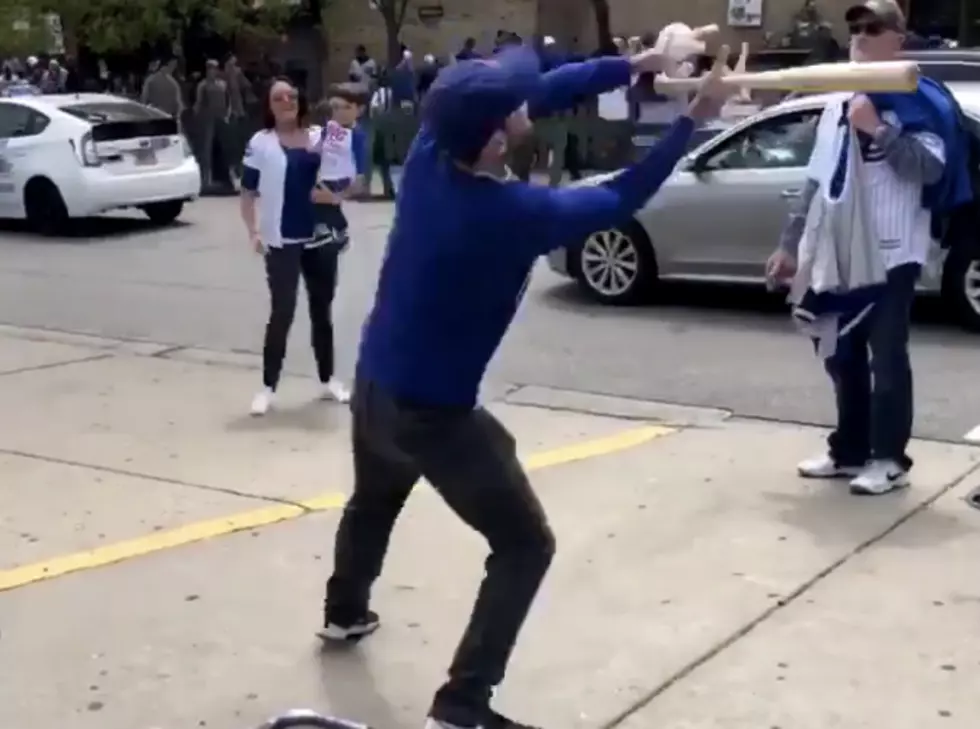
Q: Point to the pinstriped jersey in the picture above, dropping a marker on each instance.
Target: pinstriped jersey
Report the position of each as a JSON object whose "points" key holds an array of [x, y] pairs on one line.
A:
{"points": [[902, 224]]}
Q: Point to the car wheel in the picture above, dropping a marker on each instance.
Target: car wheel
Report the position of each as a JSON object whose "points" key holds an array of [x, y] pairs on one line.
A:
{"points": [[44, 207], [164, 213], [617, 266], [961, 286]]}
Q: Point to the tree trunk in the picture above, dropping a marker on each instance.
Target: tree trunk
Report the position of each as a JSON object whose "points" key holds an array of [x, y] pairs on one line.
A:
{"points": [[603, 32], [393, 14], [394, 46]]}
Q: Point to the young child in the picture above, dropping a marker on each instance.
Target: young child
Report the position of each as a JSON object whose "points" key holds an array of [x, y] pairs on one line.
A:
{"points": [[343, 161]]}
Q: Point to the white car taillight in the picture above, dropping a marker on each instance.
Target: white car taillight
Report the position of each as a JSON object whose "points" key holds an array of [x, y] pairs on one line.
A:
{"points": [[90, 156]]}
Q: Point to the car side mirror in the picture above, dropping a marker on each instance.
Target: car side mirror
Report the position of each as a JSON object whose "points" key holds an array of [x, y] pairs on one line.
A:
{"points": [[697, 164]]}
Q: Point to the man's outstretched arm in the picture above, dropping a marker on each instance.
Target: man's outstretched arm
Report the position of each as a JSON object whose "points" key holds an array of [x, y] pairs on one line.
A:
{"points": [[565, 86], [556, 218], [560, 217]]}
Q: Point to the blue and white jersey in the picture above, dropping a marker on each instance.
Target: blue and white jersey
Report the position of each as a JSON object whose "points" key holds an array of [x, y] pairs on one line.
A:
{"points": [[902, 224], [283, 179], [344, 153]]}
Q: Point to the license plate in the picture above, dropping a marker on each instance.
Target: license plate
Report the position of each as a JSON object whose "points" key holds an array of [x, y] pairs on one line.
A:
{"points": [[145, 157]]}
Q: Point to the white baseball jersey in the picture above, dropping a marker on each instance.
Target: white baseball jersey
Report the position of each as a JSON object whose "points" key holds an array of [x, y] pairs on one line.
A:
{"points": [[344, 152], [903, 226]]}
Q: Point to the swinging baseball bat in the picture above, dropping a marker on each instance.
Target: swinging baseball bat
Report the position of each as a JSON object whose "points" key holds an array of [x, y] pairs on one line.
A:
{"points": [[869, 77]]}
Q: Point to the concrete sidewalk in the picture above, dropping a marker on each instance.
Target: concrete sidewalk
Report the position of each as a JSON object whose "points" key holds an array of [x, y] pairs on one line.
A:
{"points": [[162, 560]]}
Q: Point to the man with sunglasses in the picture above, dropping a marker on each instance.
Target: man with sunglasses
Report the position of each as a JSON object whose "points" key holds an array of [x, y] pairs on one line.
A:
{"points": [[905, 140]]}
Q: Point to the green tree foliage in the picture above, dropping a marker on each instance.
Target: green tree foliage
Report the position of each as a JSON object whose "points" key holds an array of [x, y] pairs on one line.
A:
{"points": [[120, 25]]}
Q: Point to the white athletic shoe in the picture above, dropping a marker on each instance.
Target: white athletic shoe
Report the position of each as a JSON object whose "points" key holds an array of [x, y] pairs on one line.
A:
{"points": [[335, 390], [263, 401], [880, 477], [823, 466]]}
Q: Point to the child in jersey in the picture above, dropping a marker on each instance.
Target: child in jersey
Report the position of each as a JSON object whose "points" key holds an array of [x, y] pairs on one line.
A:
{"points": [[343, 162]]}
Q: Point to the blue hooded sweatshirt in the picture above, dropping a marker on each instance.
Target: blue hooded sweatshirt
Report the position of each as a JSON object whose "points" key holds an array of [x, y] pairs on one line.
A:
{"points": [[462, 245]]}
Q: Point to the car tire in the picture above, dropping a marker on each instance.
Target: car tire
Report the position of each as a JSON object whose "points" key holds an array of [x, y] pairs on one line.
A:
{"points": [[617, 267], [164, 213], [44, 207], [961, 286]]}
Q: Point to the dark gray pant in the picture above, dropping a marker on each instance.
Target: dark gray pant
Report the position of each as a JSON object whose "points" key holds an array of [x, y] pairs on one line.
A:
{"points": [[283, 268], [874, 396], [471, 461]]}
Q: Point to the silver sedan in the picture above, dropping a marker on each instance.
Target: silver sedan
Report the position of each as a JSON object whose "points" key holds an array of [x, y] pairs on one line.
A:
{"points": [[718, 217]]}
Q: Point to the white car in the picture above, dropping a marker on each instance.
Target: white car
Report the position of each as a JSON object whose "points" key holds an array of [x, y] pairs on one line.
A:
{"points": [[74, 155]]}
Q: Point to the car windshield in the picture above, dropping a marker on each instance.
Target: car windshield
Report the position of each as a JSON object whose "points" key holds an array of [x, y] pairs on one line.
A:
{"points": [[100, 112]]}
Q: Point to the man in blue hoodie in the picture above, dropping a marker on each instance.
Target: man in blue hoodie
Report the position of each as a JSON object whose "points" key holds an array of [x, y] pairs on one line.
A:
{"points": [[460, 253]]}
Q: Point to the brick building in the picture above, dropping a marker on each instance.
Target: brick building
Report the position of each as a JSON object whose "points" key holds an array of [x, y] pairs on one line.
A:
{"points": [[349, 22]]}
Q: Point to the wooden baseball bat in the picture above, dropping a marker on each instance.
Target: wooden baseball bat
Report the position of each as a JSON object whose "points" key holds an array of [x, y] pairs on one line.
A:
{"points": [[870, 77]]}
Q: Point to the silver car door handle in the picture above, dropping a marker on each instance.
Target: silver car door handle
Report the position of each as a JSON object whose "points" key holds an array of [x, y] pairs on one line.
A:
{"points": [[791, 193]]}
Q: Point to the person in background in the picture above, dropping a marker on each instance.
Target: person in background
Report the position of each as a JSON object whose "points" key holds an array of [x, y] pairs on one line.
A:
{"points": [[381, 103], [74, 82], [363, 69], [402, 82], [53, 78], [468, 51], [914, 163], [240, 94], [427, 74], [278, 178], [211, 116], [162, 91]]}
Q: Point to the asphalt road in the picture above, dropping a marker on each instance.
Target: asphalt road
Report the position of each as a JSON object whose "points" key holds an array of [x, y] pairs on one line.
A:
{"points": [[197, 284]]}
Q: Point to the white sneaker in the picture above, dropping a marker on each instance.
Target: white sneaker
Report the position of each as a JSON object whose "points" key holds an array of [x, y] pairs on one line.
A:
{"points": [[880, 477], [335, 390], [263, 401], [824, 466]]}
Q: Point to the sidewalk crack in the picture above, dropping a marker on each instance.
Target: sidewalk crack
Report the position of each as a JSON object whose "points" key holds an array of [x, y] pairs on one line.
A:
{"points": [[157, 479], [53, 365], [704, 658]]}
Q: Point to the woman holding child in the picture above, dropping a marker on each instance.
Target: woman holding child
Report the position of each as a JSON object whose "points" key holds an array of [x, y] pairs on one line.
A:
{"points": [[291, 195]]}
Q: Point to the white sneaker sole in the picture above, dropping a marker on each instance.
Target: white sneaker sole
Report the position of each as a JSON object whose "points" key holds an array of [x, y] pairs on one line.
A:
{"points": [[338, 633], [859, 489]]}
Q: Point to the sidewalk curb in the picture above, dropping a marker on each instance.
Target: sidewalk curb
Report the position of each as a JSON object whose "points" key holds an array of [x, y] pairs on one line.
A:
{"points": [[511, 394]]}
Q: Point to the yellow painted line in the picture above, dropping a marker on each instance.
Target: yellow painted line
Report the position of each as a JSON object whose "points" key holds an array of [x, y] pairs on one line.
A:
{"points": [[203, 530]]}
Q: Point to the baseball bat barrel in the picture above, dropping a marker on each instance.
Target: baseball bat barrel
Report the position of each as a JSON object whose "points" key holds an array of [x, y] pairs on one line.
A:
{"points": [[899, 76]]}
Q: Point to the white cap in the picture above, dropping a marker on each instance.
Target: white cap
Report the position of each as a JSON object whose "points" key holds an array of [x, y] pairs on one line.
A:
{"points": [[549, 40], [32, 60], [429, 58]]}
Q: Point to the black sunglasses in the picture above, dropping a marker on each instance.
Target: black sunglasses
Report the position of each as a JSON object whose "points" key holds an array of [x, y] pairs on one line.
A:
{"points": [[871, 28]]}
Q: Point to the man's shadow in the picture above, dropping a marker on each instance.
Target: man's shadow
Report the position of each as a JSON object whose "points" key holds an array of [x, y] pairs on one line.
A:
{"points": [[350, 688]]}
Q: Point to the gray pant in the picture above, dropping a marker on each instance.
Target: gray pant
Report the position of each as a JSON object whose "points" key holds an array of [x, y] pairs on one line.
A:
{"points": [[210, 132], [471, 461], [874, 395]]}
